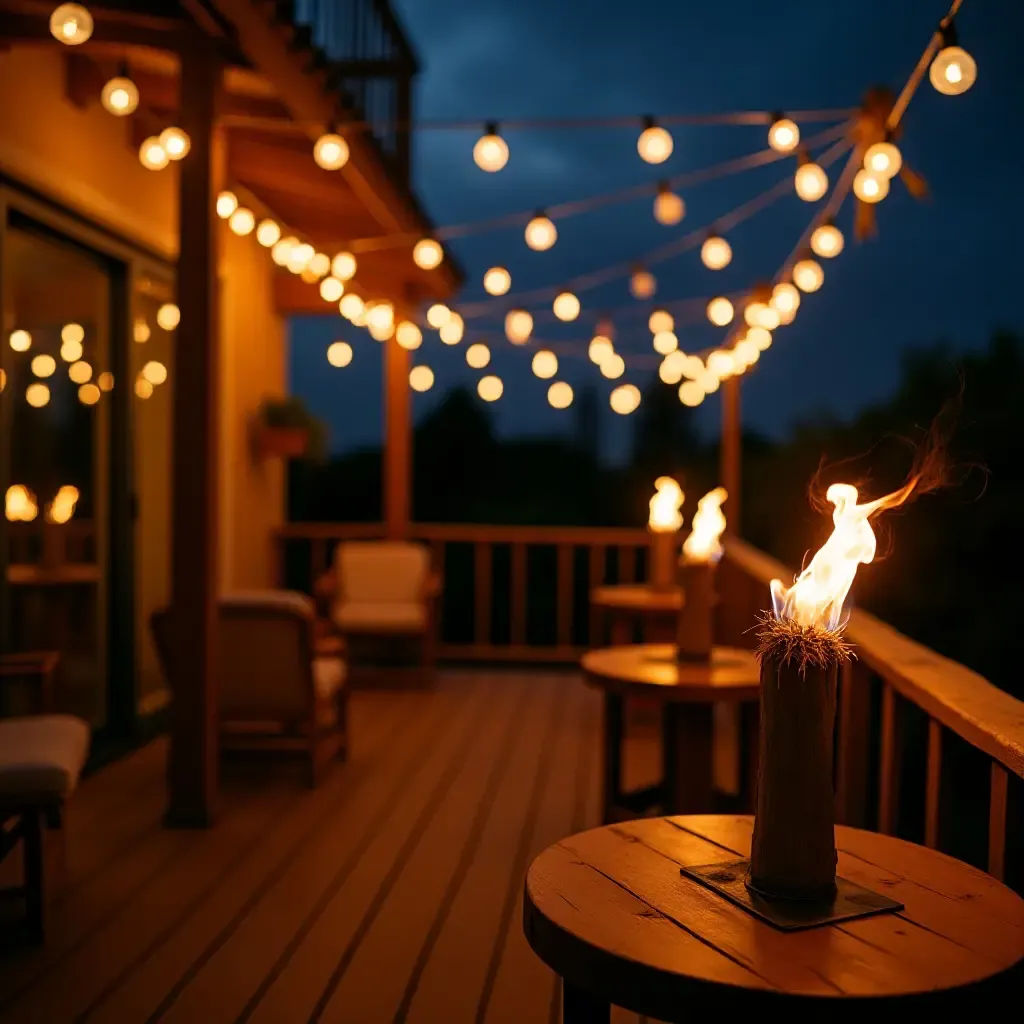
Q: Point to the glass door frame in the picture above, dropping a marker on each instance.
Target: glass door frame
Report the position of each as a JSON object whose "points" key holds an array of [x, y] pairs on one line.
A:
{"points": [[127, 265]]}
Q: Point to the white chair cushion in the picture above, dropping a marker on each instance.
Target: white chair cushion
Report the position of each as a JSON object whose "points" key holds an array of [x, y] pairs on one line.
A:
{"points": [[381, 617], [328, 677], [381, 572], [41, 757]]}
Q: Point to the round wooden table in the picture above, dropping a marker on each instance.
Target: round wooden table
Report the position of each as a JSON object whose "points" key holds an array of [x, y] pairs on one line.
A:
{"points": [[609, 911], [688, 693], [626, 604]]}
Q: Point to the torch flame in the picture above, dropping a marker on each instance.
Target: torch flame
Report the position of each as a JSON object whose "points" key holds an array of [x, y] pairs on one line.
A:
{"points": [[665, 515], [62, 508], [21, 504], [817, 597], [703, 544]]}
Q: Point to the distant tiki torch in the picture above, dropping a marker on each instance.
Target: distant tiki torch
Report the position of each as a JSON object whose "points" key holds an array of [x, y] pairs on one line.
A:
{"points": [[663, 525], [696, 573]]}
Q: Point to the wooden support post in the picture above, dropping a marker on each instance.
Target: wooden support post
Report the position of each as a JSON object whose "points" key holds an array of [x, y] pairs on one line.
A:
{"points": [[729, 452], [192, 764], [397, 441]]}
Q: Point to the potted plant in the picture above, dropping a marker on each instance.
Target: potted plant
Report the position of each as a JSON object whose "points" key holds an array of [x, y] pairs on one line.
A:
{"points": [[288, 430]]}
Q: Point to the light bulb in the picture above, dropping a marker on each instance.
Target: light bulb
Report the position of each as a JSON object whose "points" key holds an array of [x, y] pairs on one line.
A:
{"points": [[691, 393], [490, 388], [566, 306], [642, 284], [120, 96], [600, 349], [478, 355], [670, 371], [497, 281], [408, 335], [20, 341], [242, 221], [808, 275], [72, 333], [227, 203], [339, 353], [625, 399], [490, 153], [140, 331], [654, 144], [343, 266], [545, 363], [143, 389], [451, 333], [380, 315], [380, 332], [518, 326], [541, 233], [953, 71], [44, 365], [320, 264], [827, 241], [438, 315], [752, 313], [721, 363], [308, 275], [883, 159], [613, 366], [785, 300], [669, 208], [71, 24], [746, 352], [79, 372], [715, 253], [37, 395], [665, 342], [331, 289], [421, 378], [281, 251], [720, 311], [88, 394], [783, 135], [427, 254], [330, 151], [560, 395], [351, 306], [693, 367], [176, 143], [268, 232], [71, 351], [299, 257], [168, 316], [761, 338], [811, 182], [152, 155], [870, 188], [155, 372], [105, 381]]}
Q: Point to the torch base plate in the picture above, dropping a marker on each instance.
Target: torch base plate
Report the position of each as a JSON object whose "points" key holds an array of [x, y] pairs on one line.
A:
{"points": [[849, 900]]}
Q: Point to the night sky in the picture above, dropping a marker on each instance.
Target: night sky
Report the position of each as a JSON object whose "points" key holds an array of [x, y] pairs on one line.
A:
{"points": [[948, 268]]}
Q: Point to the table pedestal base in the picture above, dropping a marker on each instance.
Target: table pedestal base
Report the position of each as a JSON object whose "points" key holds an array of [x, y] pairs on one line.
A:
{"points": [[850, 900]]}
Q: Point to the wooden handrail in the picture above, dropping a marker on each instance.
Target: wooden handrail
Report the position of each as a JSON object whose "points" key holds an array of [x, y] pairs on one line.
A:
{"points": [[961, 700], [472, 533]]}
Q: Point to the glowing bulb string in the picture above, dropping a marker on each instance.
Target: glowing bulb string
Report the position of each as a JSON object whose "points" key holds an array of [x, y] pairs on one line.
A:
{"points": [[574, 207]]}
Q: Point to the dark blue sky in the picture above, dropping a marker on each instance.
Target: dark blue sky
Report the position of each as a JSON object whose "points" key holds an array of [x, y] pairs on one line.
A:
{"points": [[947, 268]]}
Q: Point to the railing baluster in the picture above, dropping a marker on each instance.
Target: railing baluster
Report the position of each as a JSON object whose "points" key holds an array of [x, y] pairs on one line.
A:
{"points": [[933, 785], [627, 563], [517, 625], [997, 803], [889, 774], [596, 578], [317, 561], [565, 594], [482, 564]]}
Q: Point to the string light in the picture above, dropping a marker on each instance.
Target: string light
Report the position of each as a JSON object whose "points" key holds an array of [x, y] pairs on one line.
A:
{"points": [[642, 284], [491, 151], [669, 371], [71, 351], [299, 257], [715, 253], [541, 232], [152, 155], [953, 70], [380, 314], [478, 355], [669, 208], [811, 181], [351, 306], [330, 151], [720, 363], [451, 333], [331, 289], [88, 394], [408, 335], [783, 135], [308, 275], [808, 275], [625, 399], [883, 159], [693, 367], [870, 188], [753, 313], [242, 221], [497, 281], [339, 353], [545, 363], [20, 341], [72, 333], [44, 365], [785, 300], [155, 372], [421, 378], [691, 394], [105, 381], [438, 315], [71, 24], [227, 203], [175, 142], [168, 316], [560, 395], [827, 240], [600, 348], [490, 388], [380, 332], [566, 306], [613, 366], [343, 266], [143, 389], [320, 264], [79, 372], [518, 326], [665, 342], [120, 96], [268, 232], [761, 337], [720, 311], [660, 320], [654, 144], [427, 254], [37, 395], [746, 352], [140, 331]]}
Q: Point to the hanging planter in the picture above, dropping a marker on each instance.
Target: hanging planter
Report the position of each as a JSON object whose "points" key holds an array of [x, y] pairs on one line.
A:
{"points": [[287, 430]]}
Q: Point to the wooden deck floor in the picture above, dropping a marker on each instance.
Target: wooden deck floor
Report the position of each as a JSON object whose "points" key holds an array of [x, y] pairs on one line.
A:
{"points": [[391, 893]]}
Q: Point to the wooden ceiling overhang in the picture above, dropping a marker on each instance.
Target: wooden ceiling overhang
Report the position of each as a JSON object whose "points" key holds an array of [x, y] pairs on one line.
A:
{"points": [[277, 100]]}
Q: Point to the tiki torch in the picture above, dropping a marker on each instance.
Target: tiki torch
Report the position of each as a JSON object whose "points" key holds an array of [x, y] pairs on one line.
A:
{"points": [[701, 551], [663, 524]]}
